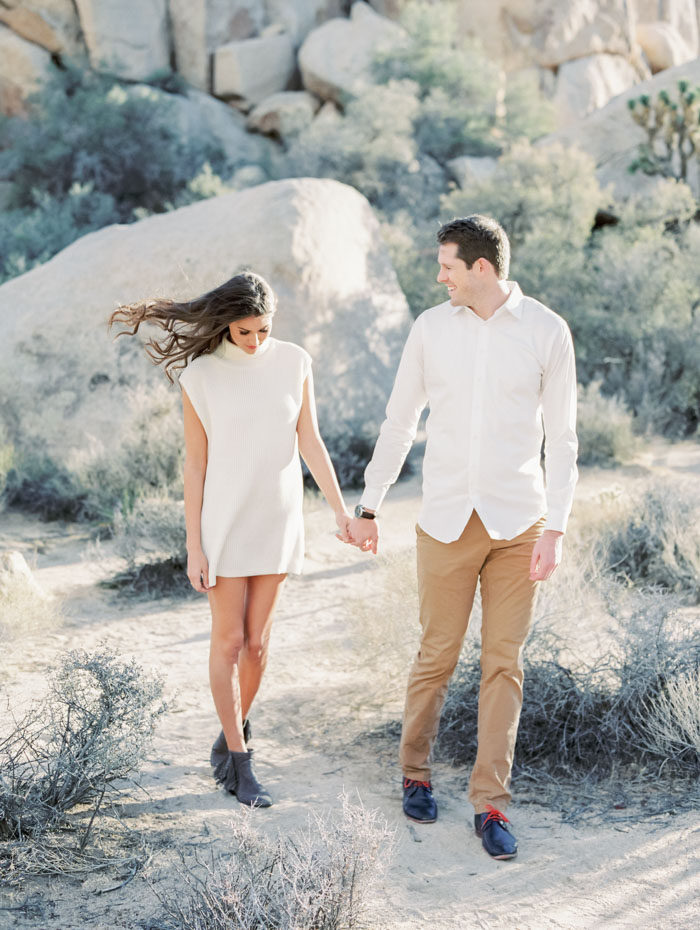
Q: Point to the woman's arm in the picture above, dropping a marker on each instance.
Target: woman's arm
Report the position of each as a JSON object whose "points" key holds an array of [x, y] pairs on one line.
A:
{"points": [[195, 470], [315, 454]]}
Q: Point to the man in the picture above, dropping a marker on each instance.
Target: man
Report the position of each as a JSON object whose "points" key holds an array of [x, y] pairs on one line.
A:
{"points": [[497, 372]]}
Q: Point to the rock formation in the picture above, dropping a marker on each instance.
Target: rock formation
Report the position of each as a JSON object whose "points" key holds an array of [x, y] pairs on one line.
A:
{"points": [[316, 241]]}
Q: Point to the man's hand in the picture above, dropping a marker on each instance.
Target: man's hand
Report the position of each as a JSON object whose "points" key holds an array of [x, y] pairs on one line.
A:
{"points": [[365, 534], [546, 555]]}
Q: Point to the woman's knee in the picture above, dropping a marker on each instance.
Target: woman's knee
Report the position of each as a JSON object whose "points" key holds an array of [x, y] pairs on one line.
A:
{"points": [[229, 646], [256, 650]]}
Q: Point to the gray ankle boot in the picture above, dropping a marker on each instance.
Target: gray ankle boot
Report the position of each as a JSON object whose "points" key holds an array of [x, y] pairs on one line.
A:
{"points": [[235, 773], [219, 750]]}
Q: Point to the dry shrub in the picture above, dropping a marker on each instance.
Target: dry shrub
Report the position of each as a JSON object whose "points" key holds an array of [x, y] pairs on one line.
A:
{"points": [[151, 539], [322, 878], [588, 716], [673, 720], [653, 540], [92, 728]]}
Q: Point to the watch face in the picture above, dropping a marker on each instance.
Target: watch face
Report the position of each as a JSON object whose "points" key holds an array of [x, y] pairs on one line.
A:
{"points": [[358, 510]]}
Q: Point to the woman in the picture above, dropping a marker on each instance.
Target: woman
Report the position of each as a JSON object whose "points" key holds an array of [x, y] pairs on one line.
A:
{"points": [[249, 410]]}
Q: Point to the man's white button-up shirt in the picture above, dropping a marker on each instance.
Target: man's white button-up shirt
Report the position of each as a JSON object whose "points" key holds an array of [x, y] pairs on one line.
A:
{"points": [[495, 388]]}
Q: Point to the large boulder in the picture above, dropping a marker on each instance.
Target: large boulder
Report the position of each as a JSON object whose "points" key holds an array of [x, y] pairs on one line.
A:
{"points": [[663, 45], [522, 33], [128, 38], [316, 241], [612, 137], [52, 24], [587, 84], [23, 69], [336, 58], [201, 26], [680, 15], [252, 69], [579, 28]]}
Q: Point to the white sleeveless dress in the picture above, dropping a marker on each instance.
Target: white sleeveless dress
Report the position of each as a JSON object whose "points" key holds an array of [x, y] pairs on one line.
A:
{"points": [[249, 406]]}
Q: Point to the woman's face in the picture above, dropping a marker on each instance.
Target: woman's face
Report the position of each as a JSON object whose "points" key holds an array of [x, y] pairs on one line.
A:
{"points": [[250, 333]]}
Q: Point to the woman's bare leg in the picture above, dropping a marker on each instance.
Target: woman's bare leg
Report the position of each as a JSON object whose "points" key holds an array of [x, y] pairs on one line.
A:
{"points": [[227, 600], [261, 600]]}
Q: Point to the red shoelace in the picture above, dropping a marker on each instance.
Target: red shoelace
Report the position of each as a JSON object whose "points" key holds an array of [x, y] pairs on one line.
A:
{"points": [[494, 814], [411, 782]]}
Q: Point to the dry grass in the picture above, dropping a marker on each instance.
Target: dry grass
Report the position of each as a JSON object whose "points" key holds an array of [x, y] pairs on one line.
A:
{"points": [[322, 878], [673, 720], [24, 607]]}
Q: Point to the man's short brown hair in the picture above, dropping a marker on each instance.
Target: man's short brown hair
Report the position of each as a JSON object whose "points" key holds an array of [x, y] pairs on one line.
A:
{"points": [[476, 237]]}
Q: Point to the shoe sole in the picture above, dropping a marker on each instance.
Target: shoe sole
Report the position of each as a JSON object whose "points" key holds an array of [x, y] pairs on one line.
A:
{"points": [[504, 856], [415, 819]]}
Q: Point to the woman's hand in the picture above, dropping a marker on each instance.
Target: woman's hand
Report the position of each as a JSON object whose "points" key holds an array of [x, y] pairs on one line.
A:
{"points": [[198, 570], [342, 520]]}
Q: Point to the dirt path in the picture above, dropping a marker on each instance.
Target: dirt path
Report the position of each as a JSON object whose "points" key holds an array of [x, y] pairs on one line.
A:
{"points": [[614, 874]]}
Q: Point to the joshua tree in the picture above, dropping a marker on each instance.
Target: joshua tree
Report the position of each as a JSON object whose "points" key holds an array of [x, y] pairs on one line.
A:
{"points": [[673, 131]]}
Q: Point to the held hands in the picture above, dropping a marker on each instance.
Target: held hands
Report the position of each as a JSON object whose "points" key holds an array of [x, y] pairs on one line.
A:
{"points": [[343, 521], [364, 534], [546, 555], [198, 570]]}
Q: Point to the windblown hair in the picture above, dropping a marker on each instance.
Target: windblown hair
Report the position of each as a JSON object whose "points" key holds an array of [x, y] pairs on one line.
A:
{"points": [[477, 237], [196, 327]]}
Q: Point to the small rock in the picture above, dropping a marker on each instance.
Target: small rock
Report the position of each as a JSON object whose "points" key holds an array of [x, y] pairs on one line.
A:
{"points": [[284, 114], [15, 574]]}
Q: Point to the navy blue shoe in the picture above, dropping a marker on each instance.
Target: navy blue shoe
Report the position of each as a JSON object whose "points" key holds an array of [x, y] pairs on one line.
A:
{"points": [[418, 801], [496, 838]]}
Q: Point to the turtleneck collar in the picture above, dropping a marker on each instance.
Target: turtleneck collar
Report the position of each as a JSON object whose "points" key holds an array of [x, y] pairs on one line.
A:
{"points": [[227, 349]]}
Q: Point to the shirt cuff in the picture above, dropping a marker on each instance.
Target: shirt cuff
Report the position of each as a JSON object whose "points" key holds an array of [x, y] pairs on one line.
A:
{"points": [[372, 498], [556, 520]]}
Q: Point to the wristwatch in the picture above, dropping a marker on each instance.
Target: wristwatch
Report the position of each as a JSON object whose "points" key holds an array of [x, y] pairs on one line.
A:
{"points": [[364, 514]]}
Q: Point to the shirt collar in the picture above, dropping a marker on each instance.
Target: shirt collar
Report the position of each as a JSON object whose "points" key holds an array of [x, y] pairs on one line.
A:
{"points": [[513, 303]]}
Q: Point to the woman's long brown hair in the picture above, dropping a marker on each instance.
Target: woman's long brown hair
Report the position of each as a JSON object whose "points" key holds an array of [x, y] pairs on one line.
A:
{"points": [[196, 327]]}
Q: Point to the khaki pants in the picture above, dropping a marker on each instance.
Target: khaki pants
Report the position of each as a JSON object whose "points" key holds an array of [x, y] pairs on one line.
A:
{"points": [[447, 577]]}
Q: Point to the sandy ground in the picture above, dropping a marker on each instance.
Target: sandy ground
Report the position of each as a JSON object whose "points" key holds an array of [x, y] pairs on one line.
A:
{"points": [[617, 870]]}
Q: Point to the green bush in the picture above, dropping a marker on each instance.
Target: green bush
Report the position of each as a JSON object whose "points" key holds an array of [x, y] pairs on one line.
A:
{"points": [[434, 98], [89, 154], [604, 428], [467, 104], [31, 235]]}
